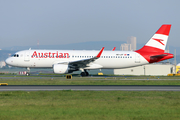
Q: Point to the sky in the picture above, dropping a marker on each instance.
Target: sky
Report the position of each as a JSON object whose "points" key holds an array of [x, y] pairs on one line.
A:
{"points": [[58, 22]]}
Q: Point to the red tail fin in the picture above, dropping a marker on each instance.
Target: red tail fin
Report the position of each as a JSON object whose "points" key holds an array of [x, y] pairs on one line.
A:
{"points": [[154, 49], [158, 42]]}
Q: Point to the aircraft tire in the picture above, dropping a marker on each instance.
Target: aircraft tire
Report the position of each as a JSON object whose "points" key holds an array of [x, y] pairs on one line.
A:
{"points": [[27, 74], [87, 74], [83, 74]]}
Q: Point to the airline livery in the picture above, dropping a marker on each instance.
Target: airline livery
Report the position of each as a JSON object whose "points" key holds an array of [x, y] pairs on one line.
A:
{"points": [[67, 61]]}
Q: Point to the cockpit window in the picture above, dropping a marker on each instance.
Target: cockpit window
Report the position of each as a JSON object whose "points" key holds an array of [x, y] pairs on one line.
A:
{"points": [[15, 55]]}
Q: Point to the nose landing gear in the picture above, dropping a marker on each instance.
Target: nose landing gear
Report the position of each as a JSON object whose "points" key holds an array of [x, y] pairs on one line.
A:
{"points": [[28, 72]]}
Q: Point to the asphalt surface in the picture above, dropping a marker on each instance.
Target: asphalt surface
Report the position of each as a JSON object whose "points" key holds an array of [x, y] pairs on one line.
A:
{"points": [[91, 87]]}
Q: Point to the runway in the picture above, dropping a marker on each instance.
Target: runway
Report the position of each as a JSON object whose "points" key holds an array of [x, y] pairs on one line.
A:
{"points": [[91, 87]]}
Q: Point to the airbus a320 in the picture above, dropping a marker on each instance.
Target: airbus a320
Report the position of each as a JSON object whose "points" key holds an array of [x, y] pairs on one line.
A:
{"points": [[68, 61]]}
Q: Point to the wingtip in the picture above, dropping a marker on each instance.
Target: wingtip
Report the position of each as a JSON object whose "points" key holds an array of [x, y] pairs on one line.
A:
{"points": [[113, 48], [99, 54]]}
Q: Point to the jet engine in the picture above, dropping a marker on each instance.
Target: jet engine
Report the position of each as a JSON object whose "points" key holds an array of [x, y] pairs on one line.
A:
{"points": [[61, 69]]}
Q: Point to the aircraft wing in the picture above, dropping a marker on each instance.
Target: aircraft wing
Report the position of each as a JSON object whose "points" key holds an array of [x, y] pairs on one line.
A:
{"points": [[83, 62]]}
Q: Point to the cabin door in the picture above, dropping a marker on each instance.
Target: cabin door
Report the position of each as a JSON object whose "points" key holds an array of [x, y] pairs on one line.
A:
{"points": [[27, 56]]}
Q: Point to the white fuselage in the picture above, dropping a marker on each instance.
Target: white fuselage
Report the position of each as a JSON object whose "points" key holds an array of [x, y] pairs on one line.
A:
{"points": [[47, 58], [67, 61]]}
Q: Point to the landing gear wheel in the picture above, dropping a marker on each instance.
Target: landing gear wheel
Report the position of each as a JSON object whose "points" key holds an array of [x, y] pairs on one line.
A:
{"points": [[27, 74], [84, 74], [28, 71], [87, 74]]}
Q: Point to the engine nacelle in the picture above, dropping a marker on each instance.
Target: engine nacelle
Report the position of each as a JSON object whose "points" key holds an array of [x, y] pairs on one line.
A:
{"points": [[60, 68]]}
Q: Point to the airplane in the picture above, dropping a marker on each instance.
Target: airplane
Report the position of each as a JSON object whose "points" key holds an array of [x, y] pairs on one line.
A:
{"points": [[68, 61]]}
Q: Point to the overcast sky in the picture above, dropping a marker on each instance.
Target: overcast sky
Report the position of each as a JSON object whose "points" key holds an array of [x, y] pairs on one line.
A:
{"points": [[24, 22]]}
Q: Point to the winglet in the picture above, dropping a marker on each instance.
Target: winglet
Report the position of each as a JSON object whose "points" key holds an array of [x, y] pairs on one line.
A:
{"points": [[113, 48], [99, 54]]}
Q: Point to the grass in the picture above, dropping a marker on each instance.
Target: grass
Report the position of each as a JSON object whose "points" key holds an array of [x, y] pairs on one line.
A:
{"points": [[114, 105], [77, 105], [143, 80]]}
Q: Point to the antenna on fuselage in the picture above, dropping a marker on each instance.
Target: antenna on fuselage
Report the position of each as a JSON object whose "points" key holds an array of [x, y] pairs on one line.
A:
{"points": [[38, 44], [29, 48]]}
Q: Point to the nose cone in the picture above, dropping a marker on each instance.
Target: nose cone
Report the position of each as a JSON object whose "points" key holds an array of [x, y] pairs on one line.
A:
{"points": [[8, 61]]}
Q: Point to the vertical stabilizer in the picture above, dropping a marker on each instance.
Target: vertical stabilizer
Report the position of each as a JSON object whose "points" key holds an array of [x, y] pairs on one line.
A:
{"points": [[159, 40]]}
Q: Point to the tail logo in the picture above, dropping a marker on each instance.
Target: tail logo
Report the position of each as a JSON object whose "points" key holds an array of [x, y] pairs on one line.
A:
{"points": [[158, 40]]}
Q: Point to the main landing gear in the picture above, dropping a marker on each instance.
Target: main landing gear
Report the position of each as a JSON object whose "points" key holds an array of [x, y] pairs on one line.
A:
{"points": [[84, 73]]}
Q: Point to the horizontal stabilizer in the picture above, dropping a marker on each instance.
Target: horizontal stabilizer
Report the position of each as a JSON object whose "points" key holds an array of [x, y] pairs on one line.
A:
{"points": [[162, 55], [157, 58]]}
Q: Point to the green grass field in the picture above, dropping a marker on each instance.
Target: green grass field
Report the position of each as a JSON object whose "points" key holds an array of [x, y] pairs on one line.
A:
{"points": [[143, 80], [80, 105], [90, 105]]}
